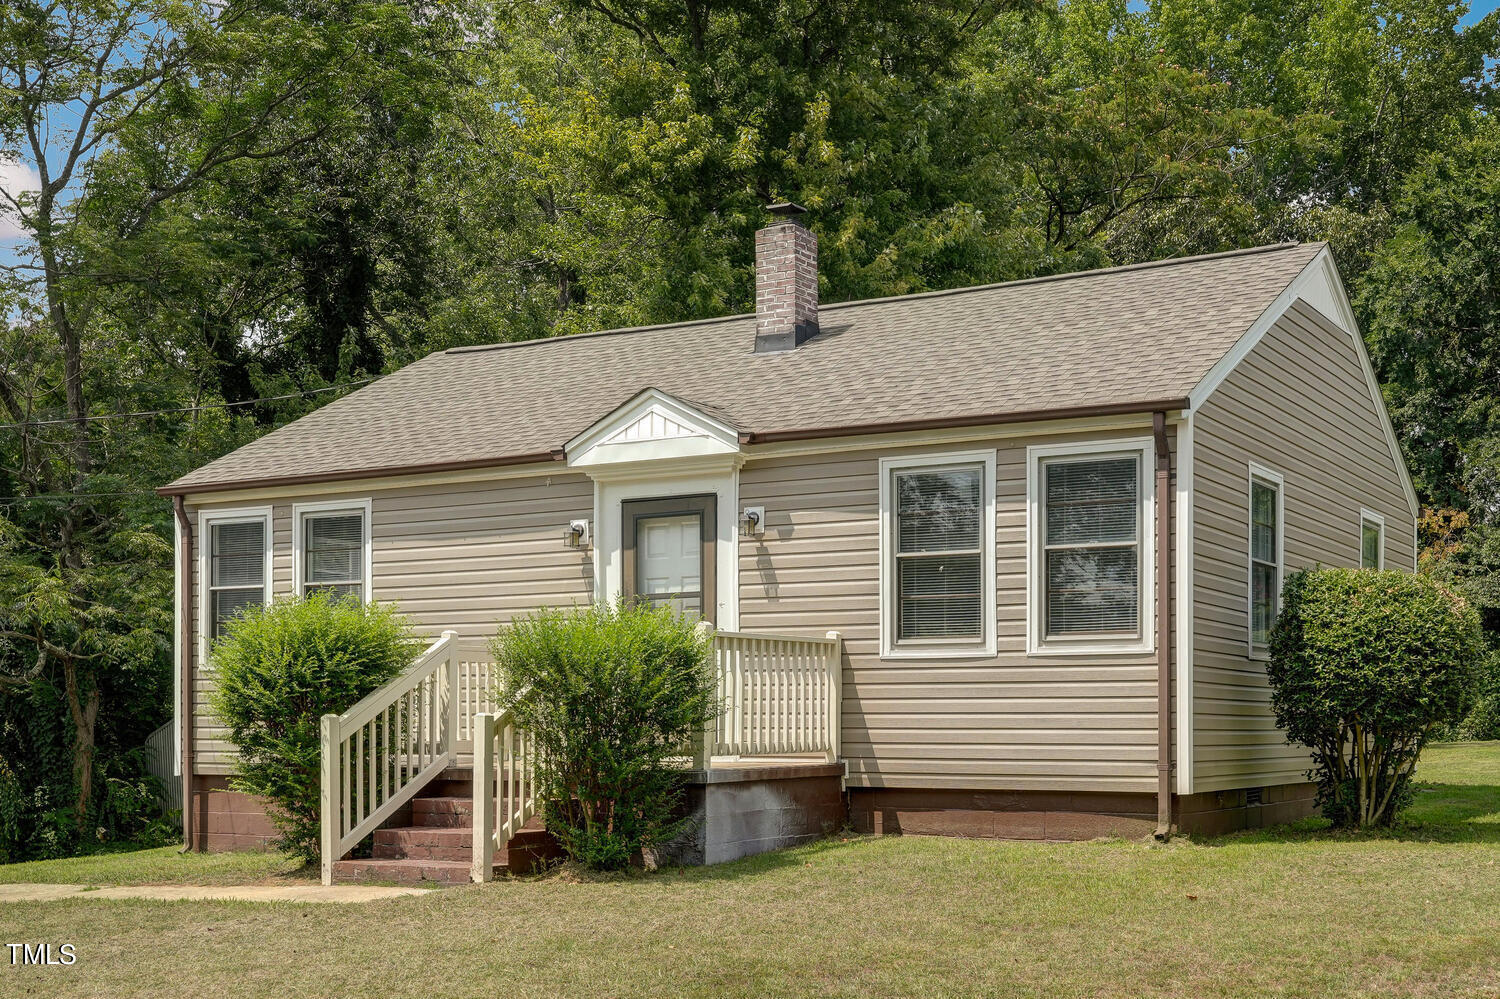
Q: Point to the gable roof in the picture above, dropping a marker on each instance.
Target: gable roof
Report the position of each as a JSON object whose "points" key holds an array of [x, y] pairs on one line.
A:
{"points": [[1122, 339]]}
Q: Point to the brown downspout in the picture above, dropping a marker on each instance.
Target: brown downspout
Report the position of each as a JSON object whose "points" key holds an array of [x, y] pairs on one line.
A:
{"points": [[1163, 627], [185, 665]]}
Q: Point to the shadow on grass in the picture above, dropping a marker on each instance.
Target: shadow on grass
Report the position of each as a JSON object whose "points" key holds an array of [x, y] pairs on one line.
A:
{"points": [[1439, 813], [733, 870]]}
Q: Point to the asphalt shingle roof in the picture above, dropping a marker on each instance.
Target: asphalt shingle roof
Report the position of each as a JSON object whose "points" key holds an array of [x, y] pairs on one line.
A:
{"points": [[1109, 338]]}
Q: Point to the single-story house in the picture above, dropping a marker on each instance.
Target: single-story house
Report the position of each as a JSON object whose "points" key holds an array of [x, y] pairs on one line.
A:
{"points": [[1047, 519]]}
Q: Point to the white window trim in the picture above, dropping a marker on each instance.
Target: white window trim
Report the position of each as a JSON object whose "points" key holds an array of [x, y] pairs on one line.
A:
{"points": [[1368, 516], [206, 520], [938, 648], [301, 510], [1269, 477], [1037, 642]]}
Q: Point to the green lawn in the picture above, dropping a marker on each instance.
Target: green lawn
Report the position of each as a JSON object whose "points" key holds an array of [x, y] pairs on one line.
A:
{"points": [[1288, 912], [166, 865]]}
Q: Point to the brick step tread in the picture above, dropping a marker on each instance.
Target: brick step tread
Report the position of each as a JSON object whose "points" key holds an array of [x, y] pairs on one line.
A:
{"points": [[404, 870], [445, 836], [452, 813], [407, 851]]}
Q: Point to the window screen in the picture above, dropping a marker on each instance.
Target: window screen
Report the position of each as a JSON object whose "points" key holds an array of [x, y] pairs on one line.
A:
{"points": [[333, 554], [940, 537], [1091, 546], [237, 571], [1370, 541], [1265, 566]]}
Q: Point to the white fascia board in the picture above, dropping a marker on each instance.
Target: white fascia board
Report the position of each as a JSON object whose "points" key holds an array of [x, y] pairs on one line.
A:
{"points": [[1318, 286]]}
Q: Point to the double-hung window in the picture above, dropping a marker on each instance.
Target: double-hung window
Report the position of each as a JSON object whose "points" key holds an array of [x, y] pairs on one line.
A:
{"points": [[1266, 511], [236, 557], [1090, 517], [938, 550], [332, 546], [1371, 540]]}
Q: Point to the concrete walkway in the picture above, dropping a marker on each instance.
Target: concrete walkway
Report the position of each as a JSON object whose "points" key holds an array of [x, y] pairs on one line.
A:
{"points": [[234, 893]]}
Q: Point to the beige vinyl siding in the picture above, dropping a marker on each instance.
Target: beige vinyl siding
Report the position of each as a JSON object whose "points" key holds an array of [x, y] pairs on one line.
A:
{"points": [[1300, 405], [1012, 721], [465, 556]]}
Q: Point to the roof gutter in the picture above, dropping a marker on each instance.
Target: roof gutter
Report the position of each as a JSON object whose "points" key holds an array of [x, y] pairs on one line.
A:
{"points": [[536, 457], [979, 420], [1163, 627]]}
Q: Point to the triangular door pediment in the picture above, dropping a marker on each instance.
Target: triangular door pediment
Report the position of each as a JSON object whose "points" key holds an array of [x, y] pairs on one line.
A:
{"points": [[652, 426]]}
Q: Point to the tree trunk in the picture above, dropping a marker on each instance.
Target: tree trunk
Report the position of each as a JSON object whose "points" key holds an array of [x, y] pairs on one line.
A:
{"points": [[84, 710]]}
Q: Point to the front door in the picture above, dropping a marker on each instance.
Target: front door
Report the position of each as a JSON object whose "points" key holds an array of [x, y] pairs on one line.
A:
{"points": [[669, 553]]}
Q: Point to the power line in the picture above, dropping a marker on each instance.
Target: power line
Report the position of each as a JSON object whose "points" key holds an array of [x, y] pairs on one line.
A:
{"points": [[187, 409], [59, 497]]}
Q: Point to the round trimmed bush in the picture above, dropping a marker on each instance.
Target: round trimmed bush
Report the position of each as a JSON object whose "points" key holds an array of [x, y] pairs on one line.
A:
{"points": [[1365, 665], [279, 669], [615, 696]]}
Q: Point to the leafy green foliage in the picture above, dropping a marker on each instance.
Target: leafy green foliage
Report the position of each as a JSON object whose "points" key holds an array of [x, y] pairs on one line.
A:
{"points": [[1465, 557], [1433, 323], [279, 669], [1364, 666], [251, 199], [613, 695]]}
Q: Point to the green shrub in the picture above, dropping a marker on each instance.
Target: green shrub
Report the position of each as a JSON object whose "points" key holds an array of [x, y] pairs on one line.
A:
{"points": [[279, 670], [1364, 666], [1483, 719], [616, 693]]}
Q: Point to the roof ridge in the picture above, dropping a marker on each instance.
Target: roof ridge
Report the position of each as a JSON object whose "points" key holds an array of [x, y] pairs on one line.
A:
{"points": [[1070, 275], [937, 293], [481, 347]]}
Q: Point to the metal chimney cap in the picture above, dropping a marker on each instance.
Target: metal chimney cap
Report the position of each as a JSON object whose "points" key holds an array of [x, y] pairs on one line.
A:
{"points": [[786, 209]]}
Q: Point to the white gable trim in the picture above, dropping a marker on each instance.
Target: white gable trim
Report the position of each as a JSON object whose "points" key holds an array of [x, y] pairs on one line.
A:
{"points": [[650, 427], [1319, 287]]}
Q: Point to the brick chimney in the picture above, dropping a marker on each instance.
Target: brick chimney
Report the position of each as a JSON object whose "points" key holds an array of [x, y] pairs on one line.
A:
{"points": [[786, 281]]}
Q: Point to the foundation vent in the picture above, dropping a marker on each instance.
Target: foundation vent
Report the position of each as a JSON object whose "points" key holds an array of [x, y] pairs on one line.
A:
{"points": [[1253, 795]]}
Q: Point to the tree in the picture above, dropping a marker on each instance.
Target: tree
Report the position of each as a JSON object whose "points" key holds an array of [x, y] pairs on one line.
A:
{"points": [[1431, 309], [124, 108]]}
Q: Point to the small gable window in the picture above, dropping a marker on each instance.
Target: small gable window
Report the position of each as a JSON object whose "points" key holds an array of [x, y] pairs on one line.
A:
{"points": [[1371, 540], [1265, 556]]}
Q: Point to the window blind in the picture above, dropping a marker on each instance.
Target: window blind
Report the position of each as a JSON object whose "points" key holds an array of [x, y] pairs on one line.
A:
{"points": [[333, 553], [1091, 544], [237, 570], [939, 553]]}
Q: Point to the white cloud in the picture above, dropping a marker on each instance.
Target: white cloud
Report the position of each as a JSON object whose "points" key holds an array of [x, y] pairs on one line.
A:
{"points": [[15, 177]]}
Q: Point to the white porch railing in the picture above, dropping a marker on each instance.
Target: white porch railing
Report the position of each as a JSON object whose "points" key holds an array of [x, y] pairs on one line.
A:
{"points": [[377, 755], [504, 787], [780, 693]]}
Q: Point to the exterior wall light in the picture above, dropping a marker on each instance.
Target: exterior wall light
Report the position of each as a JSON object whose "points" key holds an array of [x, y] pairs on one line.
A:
{"points": [[577, 534], [753, 521]]}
